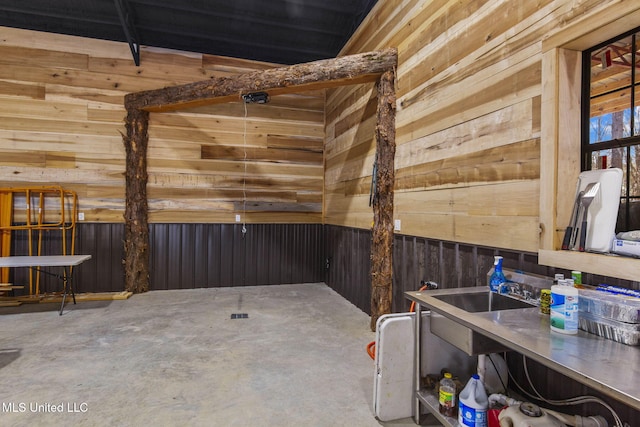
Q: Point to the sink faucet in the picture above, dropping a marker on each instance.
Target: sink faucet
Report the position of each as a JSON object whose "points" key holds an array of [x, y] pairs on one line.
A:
{"points": [[429, 284], [515, 289]]}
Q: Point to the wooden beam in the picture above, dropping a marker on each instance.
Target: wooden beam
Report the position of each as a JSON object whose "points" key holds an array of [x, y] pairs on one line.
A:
{"points": [[382, 236], [136, 233], [345, 70]]}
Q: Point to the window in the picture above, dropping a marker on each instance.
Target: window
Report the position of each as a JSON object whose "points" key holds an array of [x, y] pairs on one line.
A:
{"points": [[561, 121], [611, 117]]}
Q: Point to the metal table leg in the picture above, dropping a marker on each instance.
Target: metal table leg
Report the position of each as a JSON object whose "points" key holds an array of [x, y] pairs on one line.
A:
{"points": [[67, 279], [416, 363]]}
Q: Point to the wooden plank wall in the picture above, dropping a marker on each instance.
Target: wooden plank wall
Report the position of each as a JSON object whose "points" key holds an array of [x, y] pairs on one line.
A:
{"points": [[469, 86], [468, 123], [61, 114]]}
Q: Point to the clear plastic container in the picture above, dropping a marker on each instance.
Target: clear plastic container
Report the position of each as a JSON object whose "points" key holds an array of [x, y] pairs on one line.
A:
{"points": [[447, 396]]}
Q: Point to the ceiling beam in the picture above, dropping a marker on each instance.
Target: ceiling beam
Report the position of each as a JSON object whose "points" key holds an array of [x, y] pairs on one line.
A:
{"points": [[124, 12], [204, 39], [254, 18], [334, 72]]}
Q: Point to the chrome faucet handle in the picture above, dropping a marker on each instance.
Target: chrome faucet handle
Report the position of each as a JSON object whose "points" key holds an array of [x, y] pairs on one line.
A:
{"points": [[526, 294]]}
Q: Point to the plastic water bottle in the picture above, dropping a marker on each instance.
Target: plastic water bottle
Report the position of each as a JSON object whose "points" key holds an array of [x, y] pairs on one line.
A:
{"points": [[497, 279], [473, 404], [447, 396]]}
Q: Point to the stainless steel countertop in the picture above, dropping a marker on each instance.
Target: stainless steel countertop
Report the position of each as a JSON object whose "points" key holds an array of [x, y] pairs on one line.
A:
{"points": [[604, 365]]}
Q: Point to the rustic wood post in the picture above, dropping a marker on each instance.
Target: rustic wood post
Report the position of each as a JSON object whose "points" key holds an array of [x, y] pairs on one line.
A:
{"points": [[323, 74], [382, 236], [136, 233]]}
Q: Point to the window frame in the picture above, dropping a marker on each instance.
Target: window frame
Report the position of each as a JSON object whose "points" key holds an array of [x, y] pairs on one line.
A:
{"points": [[560, 121], [587, 148]]}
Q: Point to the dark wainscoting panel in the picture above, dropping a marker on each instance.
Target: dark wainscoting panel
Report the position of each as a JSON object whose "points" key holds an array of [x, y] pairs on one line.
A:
{"points": [[348, 264], [188, 256], [450, 264], [102, 273], [184, 256]]}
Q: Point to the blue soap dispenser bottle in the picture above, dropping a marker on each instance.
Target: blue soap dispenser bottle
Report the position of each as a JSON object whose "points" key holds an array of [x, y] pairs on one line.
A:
{"points": [[497, 278]]}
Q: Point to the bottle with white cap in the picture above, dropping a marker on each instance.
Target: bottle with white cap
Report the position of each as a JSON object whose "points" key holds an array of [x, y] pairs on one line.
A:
{"points": [[564, 307], [473, 404], [497, 279]]}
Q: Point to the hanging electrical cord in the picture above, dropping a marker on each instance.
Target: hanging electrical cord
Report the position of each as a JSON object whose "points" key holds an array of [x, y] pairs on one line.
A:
{"points": [[253, 98], [578, 400]]}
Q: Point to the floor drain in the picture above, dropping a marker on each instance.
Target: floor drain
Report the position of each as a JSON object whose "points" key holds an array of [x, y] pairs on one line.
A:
{"points": [[240, 316]]}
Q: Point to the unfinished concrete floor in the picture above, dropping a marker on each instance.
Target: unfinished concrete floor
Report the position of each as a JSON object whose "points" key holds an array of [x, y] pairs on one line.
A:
{"points": [[176, 358]]}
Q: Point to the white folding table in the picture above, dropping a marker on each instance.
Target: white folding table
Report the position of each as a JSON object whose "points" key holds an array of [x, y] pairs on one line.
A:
{"points": [[37, 262]]}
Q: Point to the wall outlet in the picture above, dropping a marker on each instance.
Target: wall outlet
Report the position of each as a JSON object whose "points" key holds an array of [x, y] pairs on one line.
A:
{"points": [[397, 225], [80, 216], [237, 218]]}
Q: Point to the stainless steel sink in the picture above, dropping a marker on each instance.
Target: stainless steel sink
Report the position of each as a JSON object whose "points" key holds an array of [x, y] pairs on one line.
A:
{"points": [[483, 301], [462, 336]]}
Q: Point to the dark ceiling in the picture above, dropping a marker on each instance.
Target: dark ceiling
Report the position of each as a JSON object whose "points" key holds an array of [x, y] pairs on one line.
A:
{"points": [[278, 31]]}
